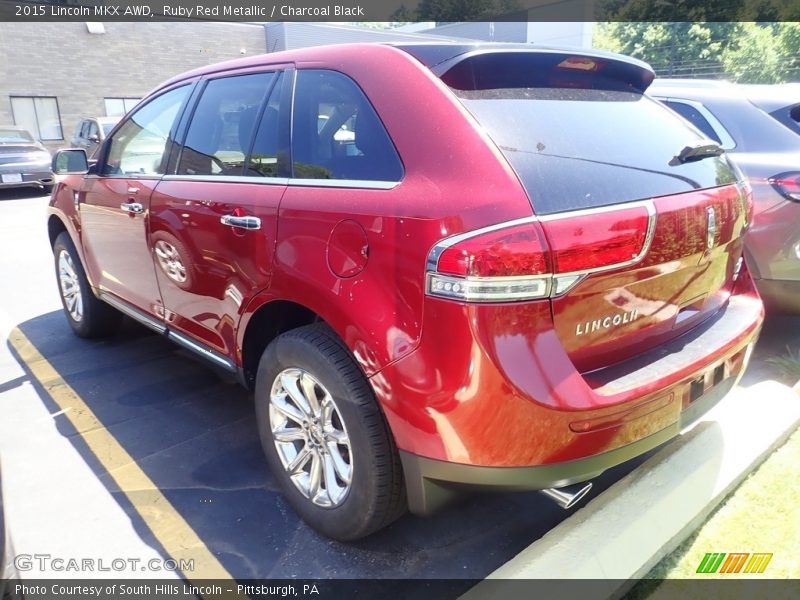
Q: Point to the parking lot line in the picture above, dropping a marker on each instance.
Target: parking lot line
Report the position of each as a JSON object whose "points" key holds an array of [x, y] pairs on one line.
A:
{"points": [[171, 530]]}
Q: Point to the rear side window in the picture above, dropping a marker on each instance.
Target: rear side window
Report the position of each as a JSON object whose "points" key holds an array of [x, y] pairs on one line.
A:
{"points": [[691, 114], [579, 139], [223, 124], [336, 133]]}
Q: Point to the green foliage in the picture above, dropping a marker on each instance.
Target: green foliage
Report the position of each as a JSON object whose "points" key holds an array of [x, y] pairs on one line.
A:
{"points": [[747, 52], [755, 55]]}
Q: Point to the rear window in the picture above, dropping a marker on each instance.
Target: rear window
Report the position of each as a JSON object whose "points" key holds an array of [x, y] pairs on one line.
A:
{"points": [[578, 148]]}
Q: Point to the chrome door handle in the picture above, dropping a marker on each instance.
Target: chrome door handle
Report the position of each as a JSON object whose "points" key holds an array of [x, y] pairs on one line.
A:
{"points": [[133, 190], [132, 207], [241, 222]]}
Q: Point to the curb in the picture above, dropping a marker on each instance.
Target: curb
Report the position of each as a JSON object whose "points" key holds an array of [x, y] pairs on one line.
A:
{"points": [[628, 529]]}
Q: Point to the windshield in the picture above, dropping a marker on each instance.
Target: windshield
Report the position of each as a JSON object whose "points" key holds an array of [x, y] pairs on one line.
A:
{"points": [[107, 127], [15, 136], [583, 148]]}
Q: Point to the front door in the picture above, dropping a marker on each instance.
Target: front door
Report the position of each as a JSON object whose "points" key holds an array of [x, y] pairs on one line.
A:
{"points": [[115, 204]]}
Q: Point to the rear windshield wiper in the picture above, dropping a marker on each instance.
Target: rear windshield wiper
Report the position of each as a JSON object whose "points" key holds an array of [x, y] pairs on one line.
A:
{"points": [[697, 151]]}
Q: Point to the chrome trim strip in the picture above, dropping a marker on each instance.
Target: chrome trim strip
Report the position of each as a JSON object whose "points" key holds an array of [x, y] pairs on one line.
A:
{"points": [[133, 313], [228, 179], [201, 350], [442, 245], [328, 183], [345, 183], [649, 205], [492, 296]]}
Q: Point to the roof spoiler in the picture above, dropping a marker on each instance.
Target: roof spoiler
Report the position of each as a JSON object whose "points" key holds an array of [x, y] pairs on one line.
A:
{"points": [[512, 66]]}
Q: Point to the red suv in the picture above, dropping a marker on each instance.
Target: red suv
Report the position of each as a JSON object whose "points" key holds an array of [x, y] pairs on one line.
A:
{"points": [[438, 266]]}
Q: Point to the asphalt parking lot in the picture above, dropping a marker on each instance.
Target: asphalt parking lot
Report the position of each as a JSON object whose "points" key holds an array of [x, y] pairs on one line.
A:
{"points": [[192, 433]]}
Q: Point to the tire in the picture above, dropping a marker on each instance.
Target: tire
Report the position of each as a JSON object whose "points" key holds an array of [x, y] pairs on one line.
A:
{"points": [[375, 495], [92, 318]]}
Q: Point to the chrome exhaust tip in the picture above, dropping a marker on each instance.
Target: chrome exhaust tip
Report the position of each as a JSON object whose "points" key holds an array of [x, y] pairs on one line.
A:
{"points": [[569, 496]]}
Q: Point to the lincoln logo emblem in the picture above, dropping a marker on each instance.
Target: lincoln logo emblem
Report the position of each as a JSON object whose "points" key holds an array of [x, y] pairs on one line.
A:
{"points": [[712, 228], [608, 322]]}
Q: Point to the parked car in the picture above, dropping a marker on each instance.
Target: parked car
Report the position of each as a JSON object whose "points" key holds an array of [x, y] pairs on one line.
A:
{"points": [[91, 131], [527, 279], [758, 127], [24, 162]]}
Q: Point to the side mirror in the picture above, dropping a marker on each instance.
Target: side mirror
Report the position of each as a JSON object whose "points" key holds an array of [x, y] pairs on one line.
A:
{"points": [[72, 160], [94, 138]]}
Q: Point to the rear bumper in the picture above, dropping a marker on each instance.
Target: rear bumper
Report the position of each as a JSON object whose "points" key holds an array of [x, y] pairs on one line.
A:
{"points": [[432, 484], [487, 403], [35, 179]]}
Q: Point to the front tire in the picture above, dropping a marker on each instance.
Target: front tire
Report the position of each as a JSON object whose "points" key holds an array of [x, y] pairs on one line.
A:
{"points": [[324, 436], [87, 316]]}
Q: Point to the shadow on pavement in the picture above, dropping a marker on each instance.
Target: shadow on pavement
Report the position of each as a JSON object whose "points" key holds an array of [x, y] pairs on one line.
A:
{"points": [[193, 433]]}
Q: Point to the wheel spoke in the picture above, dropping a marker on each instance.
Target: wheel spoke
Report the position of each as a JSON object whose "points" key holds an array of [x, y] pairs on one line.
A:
{"points": [[332, 487], [343, 470], [338, 437], [315, 477], [290, 385], [309, 388], [299, 461], [289, 435], [289, 410]]}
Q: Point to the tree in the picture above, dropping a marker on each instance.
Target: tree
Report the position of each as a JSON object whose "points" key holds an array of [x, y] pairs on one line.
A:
{"points": [[448, 11], [755, 55]]}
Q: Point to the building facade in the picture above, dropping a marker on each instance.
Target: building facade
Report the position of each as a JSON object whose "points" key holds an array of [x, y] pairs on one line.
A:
{"points": [[53, 74]]}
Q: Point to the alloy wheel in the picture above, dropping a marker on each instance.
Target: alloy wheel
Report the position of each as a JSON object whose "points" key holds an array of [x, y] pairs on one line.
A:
{"points": [[310, 437]]}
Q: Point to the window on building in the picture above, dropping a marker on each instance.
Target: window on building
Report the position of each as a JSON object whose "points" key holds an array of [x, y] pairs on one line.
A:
{"points": [[116, 107], [222, 127], [336, 133], [39, 115]]}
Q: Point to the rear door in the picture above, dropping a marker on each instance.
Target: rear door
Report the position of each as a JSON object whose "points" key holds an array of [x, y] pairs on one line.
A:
{"points": [[214, 218], [643, 244]]}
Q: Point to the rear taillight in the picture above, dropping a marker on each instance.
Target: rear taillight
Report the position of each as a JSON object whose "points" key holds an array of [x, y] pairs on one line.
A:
{"points": [[787, 185], [597, 240], [492, 265], [536, 258]]}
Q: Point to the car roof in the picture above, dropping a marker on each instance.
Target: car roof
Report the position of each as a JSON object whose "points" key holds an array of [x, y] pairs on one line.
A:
{"points": [[768, 97], [429, 54]]}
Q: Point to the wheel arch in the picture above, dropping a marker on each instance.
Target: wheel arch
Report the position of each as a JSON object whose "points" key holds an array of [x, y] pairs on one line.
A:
{"points": [[264, 323]]}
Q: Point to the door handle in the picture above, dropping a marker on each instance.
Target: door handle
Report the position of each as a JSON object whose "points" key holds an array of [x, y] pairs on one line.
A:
{"points": [[241, 222], [133, 190], [132, 207]]}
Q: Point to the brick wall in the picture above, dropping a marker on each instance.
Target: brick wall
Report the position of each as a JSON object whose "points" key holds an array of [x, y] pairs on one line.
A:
{"points": [[80, 69]]}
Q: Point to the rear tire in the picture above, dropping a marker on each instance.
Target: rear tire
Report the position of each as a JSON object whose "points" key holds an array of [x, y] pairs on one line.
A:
{"points": [[87, 316], [358, 487]]}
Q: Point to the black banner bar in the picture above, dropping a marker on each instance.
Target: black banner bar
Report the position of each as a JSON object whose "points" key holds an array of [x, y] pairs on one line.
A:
{"points": [[401, 10]]}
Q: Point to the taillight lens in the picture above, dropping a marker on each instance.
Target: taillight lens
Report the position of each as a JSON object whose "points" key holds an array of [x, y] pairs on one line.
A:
{"points": [[787, 185], [597, 240], [529, 260], [508, 252], [510, 263]]}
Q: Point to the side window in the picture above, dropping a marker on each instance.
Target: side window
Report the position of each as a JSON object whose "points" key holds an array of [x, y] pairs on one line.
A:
{"points": [[691, 114], [137, 147], [93, 130], [222, 126], [84, 127], [264, 157], [336, 133]]}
